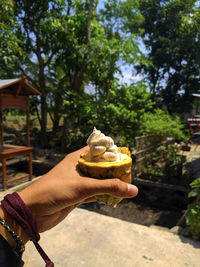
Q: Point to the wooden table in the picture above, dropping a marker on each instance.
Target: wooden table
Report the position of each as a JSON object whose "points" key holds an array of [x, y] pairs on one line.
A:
{"points": [[11, 151]]}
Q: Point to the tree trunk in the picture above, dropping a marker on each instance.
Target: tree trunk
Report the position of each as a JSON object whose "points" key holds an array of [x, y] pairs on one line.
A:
{"points": [[43, 107], [64, 133], [56, 112], [43, 121], [79, 76], [56, 122]]}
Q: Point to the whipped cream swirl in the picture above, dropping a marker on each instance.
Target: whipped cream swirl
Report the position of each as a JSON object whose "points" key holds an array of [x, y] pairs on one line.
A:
{"points": [[102, 148]]}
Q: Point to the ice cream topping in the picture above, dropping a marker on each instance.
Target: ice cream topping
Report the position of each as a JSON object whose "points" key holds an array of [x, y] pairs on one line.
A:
{"points": [[102, 148]]}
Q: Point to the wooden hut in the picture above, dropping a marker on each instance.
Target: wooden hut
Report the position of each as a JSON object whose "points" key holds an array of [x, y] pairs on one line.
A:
{"points": [[14, 94]]}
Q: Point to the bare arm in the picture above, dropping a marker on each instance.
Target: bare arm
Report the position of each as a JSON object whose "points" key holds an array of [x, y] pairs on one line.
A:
{"points": [[57, 193]]}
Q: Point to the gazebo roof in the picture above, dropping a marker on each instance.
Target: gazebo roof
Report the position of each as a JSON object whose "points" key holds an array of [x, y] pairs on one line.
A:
{"points": [[18, 86]]}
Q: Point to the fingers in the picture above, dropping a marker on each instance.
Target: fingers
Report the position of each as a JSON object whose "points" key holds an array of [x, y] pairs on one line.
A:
{"points": [[114, 187]]}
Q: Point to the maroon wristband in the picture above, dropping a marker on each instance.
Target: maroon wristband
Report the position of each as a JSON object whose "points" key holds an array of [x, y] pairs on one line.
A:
{"points": [[17, 209]]}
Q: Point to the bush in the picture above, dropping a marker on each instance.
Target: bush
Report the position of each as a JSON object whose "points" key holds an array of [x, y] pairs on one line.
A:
{"points": [[127, 113], [165, 165], [193, 216], [161, 124], [120, 114]]}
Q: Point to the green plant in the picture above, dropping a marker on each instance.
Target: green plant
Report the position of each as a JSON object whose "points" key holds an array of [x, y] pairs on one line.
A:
{"points": [[165, 164], [193, 216], [154, 168], [174, 163], [160, 123]]}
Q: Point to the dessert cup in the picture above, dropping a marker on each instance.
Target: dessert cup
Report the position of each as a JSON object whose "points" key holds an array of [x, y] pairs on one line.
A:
{"points": [[107, 170]]}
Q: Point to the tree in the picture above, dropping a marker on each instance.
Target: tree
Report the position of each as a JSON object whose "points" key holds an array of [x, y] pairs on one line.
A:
{"points": [[40, 31], [123, 42], [66, 45], [68, 73], [120, 115], [93, 60], [171, 36], [10, 48]]}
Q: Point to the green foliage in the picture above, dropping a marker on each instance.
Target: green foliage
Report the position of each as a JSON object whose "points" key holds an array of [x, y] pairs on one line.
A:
{"points": [[193, 216], [129, 112], [196, 183], [13, 112], [165, 165], [10, 48], [162, 124], [171, 36], [120, 115], [174, 162], [61, 50]]}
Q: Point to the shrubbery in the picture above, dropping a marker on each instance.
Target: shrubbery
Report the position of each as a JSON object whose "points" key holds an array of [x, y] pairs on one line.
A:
{"points": [[165, 165], [129, 112], [193, 216], [160, 123]]}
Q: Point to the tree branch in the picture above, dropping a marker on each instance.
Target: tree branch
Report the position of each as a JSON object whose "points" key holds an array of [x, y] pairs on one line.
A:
{"points": [[28, 77], [50, 57], [89, 19], [69, 6], [29, 40], [38, 115], [36, 49]]}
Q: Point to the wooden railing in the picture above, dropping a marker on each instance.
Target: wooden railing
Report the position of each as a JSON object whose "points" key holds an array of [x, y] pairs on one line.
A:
{"points": [[144, 148]]}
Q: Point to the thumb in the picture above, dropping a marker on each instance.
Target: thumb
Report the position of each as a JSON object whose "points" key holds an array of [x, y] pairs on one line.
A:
{"points": [[114, 187]]}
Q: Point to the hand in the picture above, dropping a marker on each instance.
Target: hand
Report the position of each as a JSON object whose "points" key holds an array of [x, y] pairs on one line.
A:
{"points": [[52, 197]]}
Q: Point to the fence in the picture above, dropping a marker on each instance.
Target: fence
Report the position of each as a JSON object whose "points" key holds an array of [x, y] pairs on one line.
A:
{"points": [[144, 148]]}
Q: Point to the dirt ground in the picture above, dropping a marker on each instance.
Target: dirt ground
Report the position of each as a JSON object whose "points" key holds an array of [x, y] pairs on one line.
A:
{"points": [[14, 173], [137, 212]]}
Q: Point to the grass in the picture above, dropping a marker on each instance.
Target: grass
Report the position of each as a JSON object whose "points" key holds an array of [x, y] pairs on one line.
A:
{"points": [[18, 122]]}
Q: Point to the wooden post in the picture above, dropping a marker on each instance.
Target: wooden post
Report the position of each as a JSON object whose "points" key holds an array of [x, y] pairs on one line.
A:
{"points": [[1, 130], [4, 178], [30, 166], [28, 126]]}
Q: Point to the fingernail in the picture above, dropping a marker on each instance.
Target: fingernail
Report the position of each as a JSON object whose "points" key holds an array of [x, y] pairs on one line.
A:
{"points": [[132, 190]]}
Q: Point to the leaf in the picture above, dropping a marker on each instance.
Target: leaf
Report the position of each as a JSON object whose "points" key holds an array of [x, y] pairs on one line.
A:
{"points": [[195, 183], [194, 193]]}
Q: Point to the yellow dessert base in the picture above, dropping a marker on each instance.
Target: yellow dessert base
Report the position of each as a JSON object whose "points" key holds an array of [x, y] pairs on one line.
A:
{"points": [[107, 170]]}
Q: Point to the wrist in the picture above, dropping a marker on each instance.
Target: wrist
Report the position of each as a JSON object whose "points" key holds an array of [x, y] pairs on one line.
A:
{"points": [[15, 227]]}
